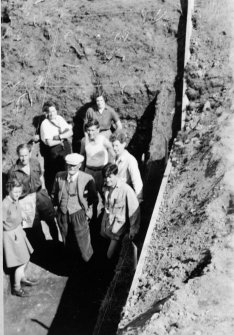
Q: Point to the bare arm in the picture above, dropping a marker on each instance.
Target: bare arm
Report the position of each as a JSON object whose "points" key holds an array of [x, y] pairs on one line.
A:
{"points": [[119, 125], [42, 179], [109, 148], [68, 132], [82, 152]]}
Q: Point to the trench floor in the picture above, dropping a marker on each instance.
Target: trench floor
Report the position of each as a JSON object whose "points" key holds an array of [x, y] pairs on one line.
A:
{"points": [[67, 298]]}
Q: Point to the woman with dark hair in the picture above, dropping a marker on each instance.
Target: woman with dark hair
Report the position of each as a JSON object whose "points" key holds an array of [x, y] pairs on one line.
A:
{"points": [[54, 133], [105, 115], [16, 247]]}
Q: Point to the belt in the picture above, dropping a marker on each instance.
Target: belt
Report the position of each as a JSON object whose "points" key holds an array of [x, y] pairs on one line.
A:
{"points": [[104, 129], [95, 168], [72, 195]]}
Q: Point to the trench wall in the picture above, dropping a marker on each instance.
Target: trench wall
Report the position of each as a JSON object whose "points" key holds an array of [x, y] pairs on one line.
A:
{"points": [[161, 195]]}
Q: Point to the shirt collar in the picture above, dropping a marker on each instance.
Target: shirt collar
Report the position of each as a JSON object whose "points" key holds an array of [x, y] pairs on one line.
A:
{"points": [[19, 166], [122, 157], [11, 200], [70, 179], [118, 183]]}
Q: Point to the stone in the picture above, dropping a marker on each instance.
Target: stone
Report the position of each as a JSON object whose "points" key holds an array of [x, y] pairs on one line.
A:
{"points": [[192, 94], [206, 106]]}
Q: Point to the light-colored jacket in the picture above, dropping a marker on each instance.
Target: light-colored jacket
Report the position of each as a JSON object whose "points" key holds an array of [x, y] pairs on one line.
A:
{"points": [[121, 208]]}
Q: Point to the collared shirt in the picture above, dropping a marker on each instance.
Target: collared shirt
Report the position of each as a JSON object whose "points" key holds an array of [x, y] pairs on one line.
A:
{"points": [[105, 118], [50, 129], [128, 172], [121, 205], [32, 182], [72, 178]]}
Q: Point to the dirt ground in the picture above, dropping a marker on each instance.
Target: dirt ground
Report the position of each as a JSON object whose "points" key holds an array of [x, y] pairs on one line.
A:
{"points": [[186, 286]]}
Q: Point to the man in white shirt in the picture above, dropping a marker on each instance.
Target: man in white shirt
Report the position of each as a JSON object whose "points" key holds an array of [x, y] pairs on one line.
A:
{"points": [[128, 170], [55, 133]]}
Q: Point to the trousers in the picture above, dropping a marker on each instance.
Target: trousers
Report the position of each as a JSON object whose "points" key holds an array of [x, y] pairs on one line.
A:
{"points": [[76, 233]]}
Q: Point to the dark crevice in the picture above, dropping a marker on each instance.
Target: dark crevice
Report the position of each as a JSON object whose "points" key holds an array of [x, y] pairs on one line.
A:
{"points": [[198, 271], [144, 317]]}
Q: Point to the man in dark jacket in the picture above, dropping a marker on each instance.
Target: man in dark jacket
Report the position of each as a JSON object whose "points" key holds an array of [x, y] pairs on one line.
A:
{"points": [[28, 171], [75, 195]]}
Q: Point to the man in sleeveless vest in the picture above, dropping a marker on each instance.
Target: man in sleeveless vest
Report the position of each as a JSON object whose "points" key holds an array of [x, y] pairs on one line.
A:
{"points": [[74, 193], [97, 151]]}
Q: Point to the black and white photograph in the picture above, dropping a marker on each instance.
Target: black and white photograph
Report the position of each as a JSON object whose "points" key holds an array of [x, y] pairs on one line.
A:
{"points": [[117, 150]]}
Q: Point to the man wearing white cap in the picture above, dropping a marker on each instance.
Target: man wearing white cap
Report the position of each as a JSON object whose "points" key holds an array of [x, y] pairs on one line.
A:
{"points": [[74, 192]]}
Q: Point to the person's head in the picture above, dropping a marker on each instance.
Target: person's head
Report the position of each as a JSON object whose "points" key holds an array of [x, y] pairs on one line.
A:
{"points": [[100, 102], [14, 188], [119, 142], [50, 108], [24, 153], [73, 162], [110, 172], [92, 128]]}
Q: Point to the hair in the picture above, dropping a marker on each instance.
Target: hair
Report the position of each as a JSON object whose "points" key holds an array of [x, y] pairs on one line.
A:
{"points": [[90, 123], [14, 182], [118, 135], [23, 146], [109, 169], [48, 104]]}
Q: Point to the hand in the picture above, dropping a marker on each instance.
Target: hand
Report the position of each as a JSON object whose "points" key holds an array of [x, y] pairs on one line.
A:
{"points": [[24, 216], [36, 138]]}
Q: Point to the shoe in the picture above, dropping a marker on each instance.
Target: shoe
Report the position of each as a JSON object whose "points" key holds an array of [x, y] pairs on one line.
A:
{"points": [[20, 293], [29, 282]]}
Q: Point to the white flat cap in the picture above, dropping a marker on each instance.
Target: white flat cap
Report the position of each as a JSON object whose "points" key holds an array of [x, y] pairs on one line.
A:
{"points": [[74, 159]]}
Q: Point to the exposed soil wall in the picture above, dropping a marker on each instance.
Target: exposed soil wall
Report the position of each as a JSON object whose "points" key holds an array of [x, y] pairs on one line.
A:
{"points": [[66, 51], [183, 288]]}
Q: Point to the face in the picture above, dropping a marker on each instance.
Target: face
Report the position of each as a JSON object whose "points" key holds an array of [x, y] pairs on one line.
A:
{"points": [[15, 193], [52, 113], [118, 147], [72, 169], [111, 180], [24, 156], [92, 132], [100, 102]]}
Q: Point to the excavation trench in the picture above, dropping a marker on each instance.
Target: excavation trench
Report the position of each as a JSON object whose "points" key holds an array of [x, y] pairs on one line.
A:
{"points": [[153, 170], [135, 50], [150, 106]]}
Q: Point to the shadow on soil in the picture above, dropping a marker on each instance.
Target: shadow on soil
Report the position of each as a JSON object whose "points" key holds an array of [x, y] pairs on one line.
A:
{"points": [[85, 288]]}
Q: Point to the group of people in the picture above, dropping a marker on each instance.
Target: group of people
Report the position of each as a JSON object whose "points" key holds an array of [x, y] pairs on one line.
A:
{"points": [[100, 183]]}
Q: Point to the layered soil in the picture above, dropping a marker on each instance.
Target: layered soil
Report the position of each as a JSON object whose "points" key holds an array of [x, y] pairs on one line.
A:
{"points": [[186, 285]]}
